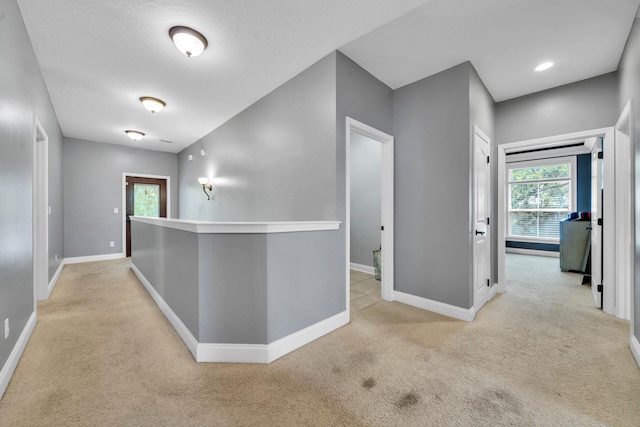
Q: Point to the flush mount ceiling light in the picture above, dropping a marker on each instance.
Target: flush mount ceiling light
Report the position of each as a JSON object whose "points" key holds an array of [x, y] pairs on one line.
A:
{"points": [[152, 104], [544, 66], [136, 135], [188, 41]]}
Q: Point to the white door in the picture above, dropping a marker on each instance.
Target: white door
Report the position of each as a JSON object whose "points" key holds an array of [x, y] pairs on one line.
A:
{"points": [[596, 223], [480, 231]]}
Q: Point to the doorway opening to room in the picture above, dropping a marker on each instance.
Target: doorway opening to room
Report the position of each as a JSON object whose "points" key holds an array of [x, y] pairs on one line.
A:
{"points": [[369, 214], [143, 195], [553, 196]]}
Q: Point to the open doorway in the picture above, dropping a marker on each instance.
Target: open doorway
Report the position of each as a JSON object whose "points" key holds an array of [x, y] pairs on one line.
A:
{"points": [[603, 247], [369, 176], [143, 195]]}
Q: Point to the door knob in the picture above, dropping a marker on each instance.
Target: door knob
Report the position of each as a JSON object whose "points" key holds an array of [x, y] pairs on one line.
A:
{"points": [[481, 233]]}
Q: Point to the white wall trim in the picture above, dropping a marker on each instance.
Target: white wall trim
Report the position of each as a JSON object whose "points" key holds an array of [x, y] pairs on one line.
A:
{"points": [[466, 314], [387, 193], [239, 227], [534, 252], [123, 210], [363, 268], [304, 336], [183, 332], [54, 279], [14, 357], [493, 290], [635, 349], [40, 212], [92, 258], [242, 353], [503, 149]]}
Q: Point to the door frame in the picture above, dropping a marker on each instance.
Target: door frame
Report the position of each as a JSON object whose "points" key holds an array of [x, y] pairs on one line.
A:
{"points": [[124, 202], [40, 213], [492, 288], [387, 197], [503, 150], [625, 219]]}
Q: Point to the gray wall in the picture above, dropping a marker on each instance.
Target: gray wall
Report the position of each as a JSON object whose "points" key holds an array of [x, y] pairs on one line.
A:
{"points": [[92, 180], [305, 280], [630, 89], [584, 105], [366, 203], [362, 97], [23, 95], [432, 196], [274, 161]]}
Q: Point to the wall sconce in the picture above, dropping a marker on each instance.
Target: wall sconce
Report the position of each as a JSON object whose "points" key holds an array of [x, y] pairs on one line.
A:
{"points": [[206, 185]]}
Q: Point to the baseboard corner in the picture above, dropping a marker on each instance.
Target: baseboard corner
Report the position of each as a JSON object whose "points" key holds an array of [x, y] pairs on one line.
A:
{"points": [[635, 349], [466, 314]]}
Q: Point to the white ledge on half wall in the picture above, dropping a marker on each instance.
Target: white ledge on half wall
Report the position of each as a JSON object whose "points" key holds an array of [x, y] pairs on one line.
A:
{"points": [[239, 227]]}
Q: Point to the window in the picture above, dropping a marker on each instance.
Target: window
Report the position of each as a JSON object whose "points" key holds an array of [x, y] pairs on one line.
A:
{"points": [[541, 193]]}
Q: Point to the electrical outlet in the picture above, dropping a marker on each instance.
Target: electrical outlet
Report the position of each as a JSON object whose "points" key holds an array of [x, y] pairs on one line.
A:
{"points": [[115, 210], [112, 244], [49, 210], [56, 257], [6, 328]]}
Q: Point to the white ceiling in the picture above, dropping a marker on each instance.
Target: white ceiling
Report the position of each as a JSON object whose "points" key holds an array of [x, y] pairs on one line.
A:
{"points": [[99, 56]]}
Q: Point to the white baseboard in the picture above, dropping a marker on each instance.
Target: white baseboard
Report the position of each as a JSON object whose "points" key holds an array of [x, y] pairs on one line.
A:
{"points": [[363, 268], [242, 353], [92, 258], [635, 349], [14, 357], [292, 342], [532, 252], [493, 290], [466, 314], [183, 332], [54, 279]]}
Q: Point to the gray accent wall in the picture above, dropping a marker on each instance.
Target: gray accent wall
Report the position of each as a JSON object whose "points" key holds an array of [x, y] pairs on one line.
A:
{"points": [[432, 187], [24, 96], [92, 180], [274, 161], [366, 198], [362, 97], [630, 89], [584, 105]]}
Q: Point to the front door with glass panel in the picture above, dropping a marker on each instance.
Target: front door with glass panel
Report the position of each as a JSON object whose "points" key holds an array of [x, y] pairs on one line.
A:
{"points": [[145, 197]]}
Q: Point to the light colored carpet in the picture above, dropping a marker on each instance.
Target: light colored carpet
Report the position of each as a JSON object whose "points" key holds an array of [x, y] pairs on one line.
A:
{"points": [[102, 354]]}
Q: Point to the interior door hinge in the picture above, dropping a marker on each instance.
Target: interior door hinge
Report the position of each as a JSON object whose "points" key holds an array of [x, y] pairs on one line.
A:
{"points": [[601, 154], [382, 227], [487, 159], [488, 282], [599, 221], [487, 220], [599, 288]]}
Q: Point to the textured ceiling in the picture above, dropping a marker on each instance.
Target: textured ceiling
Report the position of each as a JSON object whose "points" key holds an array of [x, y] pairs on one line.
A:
{"points": [[504, 40], [99, 56]]}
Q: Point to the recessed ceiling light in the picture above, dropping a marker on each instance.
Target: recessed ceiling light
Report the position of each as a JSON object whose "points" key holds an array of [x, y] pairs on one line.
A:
{"points": [[188, 41], [136, 135], [544, 66], [152, 104]]}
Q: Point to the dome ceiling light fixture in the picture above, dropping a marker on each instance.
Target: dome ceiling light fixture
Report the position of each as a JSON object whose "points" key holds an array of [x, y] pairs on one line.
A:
{"points": [[188, 41], [152, 104], [136, 135], [544, 66]]}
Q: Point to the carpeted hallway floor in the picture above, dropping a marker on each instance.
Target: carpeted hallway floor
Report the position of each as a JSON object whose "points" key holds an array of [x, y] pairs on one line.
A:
{"points": [[102, 354]]}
